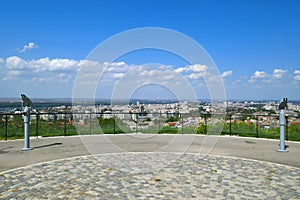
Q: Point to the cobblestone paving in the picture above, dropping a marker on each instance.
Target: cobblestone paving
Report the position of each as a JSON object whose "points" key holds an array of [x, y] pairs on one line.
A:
{"points": [[121, 176]]}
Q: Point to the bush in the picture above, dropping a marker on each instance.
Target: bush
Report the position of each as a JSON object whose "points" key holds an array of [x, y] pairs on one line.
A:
{"points": [[172, 119], [168, 129], [201, 129], [112, 125]]}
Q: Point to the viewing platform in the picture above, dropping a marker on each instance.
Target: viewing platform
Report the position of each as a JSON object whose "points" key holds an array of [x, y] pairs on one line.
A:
{"points": [[149, 166]]}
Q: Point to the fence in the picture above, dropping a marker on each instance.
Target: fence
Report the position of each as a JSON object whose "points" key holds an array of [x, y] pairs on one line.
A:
{"points": [[66, 124]]}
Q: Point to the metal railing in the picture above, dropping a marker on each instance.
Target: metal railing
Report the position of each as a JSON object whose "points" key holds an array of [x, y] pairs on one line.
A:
{"points": [[66, 124]]}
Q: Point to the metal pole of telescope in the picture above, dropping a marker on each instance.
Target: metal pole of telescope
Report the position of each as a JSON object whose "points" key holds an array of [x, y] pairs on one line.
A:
{"points": [[26, 128], [282, 127]]}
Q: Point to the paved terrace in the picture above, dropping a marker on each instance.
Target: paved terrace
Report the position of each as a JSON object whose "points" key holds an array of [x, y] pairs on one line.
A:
{"points": [[141, 166]]}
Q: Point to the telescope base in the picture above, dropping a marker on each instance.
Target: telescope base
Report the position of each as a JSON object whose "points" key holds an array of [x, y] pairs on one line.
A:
{"points": [[280, 150], [26, 149]]}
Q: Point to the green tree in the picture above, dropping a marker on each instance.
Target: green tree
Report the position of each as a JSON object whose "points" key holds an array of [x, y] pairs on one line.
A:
{"points": [[172, 119], [201, 129]]}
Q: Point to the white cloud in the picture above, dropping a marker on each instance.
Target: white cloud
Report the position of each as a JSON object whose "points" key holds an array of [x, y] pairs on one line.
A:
{"points": [[116, 67], [268, 78], [145, 75], [226, 74], [118, 64], [196, 71], [195, 76], [297, 75], [279, 73], [259, 74], [279, 78], [28, 46], [40, 65], [192, 68], [40, 70], [45, 64], [150, 73], [51, 71], [199, 68], [118, 75], [180, 69], [15, 62]]}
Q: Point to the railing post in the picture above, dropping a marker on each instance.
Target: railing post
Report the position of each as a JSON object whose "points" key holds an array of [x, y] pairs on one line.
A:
{"points": [[256, 126], [182, 123], [230, 125], [65, 124], [205, 121], [90, 124], [286, 128], [6, 131], [159, 122], [37, 125], [137, 123]]}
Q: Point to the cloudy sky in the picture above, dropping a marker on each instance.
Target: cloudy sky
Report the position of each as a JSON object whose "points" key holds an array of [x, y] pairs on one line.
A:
{"points": [[254, 44]]}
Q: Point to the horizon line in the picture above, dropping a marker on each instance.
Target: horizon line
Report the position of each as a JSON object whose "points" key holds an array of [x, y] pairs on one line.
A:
{"points": [[138, 99]]}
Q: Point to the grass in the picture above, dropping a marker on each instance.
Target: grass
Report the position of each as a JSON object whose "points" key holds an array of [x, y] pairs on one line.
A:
{"points": [[58, 129]]}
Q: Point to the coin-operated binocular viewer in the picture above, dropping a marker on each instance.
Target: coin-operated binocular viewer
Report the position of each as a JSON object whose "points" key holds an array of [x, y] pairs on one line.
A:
{"points": [[27, 105], [282, 108]]}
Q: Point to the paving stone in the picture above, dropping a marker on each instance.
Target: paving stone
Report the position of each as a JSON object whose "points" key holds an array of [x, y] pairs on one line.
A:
{"points": [[135, 176]]}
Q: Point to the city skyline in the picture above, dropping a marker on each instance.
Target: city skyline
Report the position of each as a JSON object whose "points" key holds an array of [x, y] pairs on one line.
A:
{"points": [[254, 44]]}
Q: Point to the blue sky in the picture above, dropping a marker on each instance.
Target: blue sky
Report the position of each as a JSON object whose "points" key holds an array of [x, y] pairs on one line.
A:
{"points": [[255, 44]]}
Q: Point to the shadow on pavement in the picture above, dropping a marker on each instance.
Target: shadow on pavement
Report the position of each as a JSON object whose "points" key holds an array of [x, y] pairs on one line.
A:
{"points": [[48, 145], [2, 150]]}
